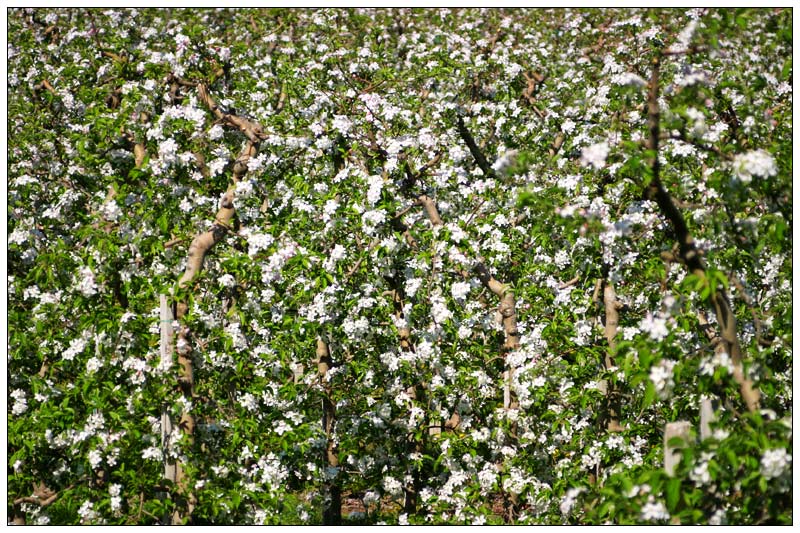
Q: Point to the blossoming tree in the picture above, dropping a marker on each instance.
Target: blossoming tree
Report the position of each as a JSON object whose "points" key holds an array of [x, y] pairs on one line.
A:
{"points": [[424, 266]]}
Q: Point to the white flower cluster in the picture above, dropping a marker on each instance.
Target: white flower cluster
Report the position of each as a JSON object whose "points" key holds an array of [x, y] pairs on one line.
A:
{"points": [[355, 329], [629, 79], [111, 211], [342, 124], [76, 346], [654, 511], [249, 402], [459, 290], [85, 282], [216, 132], [685, 36], [375, 183], [139, 368], [153, 453], [18, 236], [655, 326], [756, 163], [487, 477], [392, 486], [168, 152], [271, 272], [569, 499], [721, 359], [595, 155], [20, 402], [95, 459], [370, 220], [87, 512], [114, 490], [439, 309], [583, 332], [774, 463], [718, 518], [93, 365], [257, 242], [661, 376], [338, 253], [700, 474], [561, 259]]}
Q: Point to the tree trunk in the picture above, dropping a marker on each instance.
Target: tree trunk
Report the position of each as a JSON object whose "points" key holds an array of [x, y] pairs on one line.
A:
{"points": [[688, 253], [170, 469], [332, 512]]}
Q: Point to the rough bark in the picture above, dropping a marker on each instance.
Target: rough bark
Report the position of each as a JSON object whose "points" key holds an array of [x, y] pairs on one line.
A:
{"points": [[507, 308], [198, 249], [139, 150], [253, 130], [332, 512], [613, 399]]}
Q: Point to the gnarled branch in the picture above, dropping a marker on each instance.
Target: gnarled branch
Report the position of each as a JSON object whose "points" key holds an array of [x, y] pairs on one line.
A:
{"points": [[687, 250]]}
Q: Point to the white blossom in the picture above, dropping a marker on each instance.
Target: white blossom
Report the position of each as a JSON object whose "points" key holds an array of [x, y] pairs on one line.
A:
{"points": [[775, 462], [718, 518], [487, 477], [595, 155], [342, 124], [215, 132], [93, 365], [756, 163], [661, 376], [569, 499], [561, 259], [655, 326], [168, 151], [248, 401], [375, 186], [86, 284], [629, 79], [654, 511], [257, 242], [152, 453], [87, 512], [226, 280], [111, 211], [372, 219], [719, 359], [114, 490], [76, 346], [392, 485], [95, 458], [20, 402], [460, 290]]}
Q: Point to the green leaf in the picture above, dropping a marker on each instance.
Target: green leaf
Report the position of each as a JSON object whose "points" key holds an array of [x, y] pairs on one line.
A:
{"points": [[673, 494], [649, 395], [786, 71], [526, 199]]}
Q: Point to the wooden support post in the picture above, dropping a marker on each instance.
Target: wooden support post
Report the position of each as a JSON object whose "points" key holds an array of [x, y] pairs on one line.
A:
{"points": [[166, 347], [706, 418], [672, 456]]}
